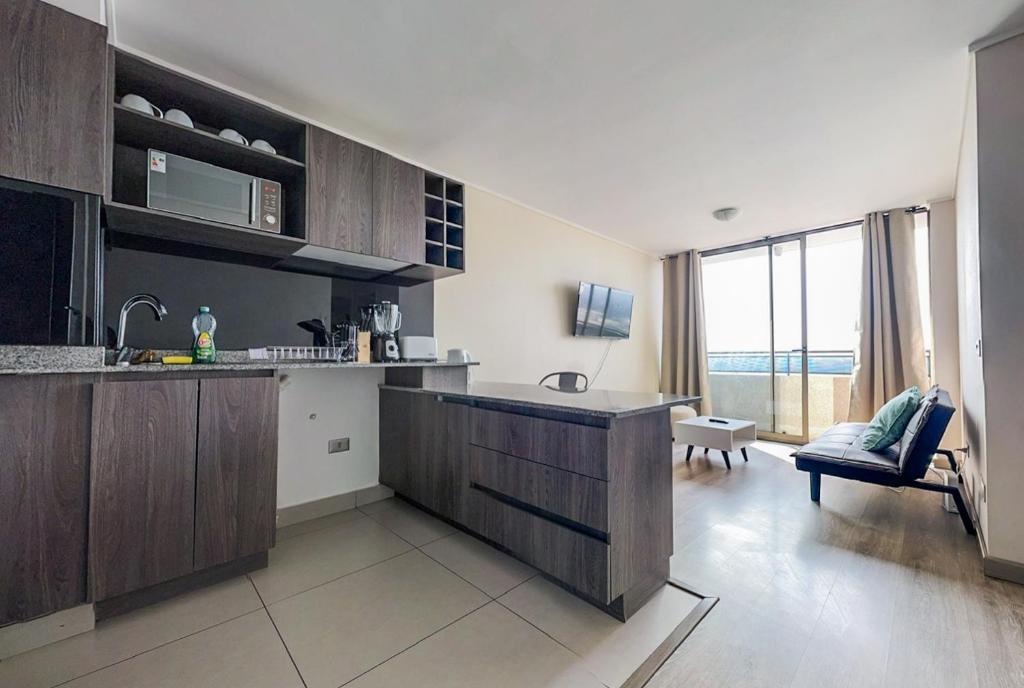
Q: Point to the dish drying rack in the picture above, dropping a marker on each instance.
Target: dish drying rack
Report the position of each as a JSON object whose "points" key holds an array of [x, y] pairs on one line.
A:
{"points": [[301, 353]]}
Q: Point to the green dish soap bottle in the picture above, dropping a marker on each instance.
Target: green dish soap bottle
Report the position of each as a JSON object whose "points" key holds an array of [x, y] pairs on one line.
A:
{"points": [[204, 325]]}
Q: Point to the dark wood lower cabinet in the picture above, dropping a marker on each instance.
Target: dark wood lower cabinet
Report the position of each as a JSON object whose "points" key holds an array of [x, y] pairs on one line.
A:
{"points": [[589, 503], [420, 449], [44, 478], [142, 507], [236, 469], [184, 478]]}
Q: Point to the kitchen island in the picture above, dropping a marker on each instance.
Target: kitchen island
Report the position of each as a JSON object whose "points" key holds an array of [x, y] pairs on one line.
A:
{"points": [[578, 485]]}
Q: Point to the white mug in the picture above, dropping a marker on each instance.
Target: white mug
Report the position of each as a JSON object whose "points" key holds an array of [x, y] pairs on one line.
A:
{"points": [[178, 117], [139, 103], [232, 135], [459, 356], [260, 144]]}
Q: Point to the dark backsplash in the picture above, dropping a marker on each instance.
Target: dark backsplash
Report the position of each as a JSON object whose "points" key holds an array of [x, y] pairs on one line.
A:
{"points": [[253, 306]]}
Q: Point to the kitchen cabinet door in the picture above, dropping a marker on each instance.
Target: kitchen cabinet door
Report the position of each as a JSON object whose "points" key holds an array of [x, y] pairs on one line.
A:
{"points": [[53, 87], [422, 449], [142, 504], [395, 439], [44, 489], [398, 210], [236, 469], [340, 191]]}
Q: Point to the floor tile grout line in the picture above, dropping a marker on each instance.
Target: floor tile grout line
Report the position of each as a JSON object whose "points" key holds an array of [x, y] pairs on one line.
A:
{"points": [[344, 575], [429, 635], [555, 640], [155, 647], [280, 637], [320, 529], [409, 542], [455, 573]]}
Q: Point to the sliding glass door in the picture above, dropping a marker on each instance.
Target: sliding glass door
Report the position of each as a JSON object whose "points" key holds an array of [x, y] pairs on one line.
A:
{"points": [[781, 330], [754, 305]]}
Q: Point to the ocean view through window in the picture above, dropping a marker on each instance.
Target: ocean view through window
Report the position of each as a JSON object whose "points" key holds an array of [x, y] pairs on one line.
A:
{"points": [[757, 316]]}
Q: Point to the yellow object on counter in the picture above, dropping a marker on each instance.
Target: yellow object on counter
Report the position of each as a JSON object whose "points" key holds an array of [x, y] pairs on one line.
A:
{"points": [[176, 360]]}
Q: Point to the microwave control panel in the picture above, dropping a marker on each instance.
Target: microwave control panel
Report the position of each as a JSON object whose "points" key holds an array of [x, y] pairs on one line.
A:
{"points": [[270, 206]]}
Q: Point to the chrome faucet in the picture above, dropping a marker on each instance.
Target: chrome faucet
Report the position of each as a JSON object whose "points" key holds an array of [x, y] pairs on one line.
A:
{"points": [[124, 353]]}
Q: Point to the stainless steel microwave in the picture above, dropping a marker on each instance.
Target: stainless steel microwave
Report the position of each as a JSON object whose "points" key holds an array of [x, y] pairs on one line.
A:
{"points": [[198, 189]]}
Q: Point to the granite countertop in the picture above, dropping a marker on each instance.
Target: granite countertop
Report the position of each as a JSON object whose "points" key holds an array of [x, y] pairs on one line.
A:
{"points": [[36, 360], [594, 402]]}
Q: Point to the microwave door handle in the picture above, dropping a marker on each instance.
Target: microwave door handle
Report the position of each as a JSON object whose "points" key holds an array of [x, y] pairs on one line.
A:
{"points": [[254, 198]]}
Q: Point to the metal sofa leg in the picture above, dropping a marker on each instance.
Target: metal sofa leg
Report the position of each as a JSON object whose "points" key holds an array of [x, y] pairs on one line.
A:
{"points": [[689, 452], [815, 487], [961, 507]]}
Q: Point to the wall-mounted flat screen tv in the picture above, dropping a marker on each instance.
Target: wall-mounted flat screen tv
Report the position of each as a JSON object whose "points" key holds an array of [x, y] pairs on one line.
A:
{"points": [[603, 312]]}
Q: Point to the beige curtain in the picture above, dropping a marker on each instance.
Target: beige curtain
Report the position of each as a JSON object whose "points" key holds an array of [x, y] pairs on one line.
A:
{"points": [[890, 357], [684, 355]]}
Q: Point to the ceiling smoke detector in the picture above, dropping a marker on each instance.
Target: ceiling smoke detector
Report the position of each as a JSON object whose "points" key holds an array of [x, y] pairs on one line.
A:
{"points": [[725, 214]]}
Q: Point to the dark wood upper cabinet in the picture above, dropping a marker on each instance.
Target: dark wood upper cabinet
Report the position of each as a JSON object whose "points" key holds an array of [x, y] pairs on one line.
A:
{"points": [[398, 209], [236, 469], [340, 183], [54, 91], [44, 489], [142, 502]]}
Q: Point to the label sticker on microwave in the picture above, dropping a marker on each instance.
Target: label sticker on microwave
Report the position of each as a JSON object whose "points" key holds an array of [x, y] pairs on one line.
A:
{"points": [[158, 162]]}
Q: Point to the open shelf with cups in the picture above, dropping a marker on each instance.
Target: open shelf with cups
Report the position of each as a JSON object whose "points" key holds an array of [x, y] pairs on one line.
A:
{"points": [[176, 114], [444, 222]]}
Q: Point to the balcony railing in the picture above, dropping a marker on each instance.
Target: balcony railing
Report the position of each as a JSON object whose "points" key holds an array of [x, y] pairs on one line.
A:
{"points": [[741, 387]]}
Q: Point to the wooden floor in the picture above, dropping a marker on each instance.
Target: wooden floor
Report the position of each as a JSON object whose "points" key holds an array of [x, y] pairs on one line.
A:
{"points": [[871, 588]]}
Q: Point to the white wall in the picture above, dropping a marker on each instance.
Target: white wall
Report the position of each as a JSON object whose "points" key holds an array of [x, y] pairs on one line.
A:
{"points": [[942, 271], [345, 405], [972, 379], [515, 306], [1000, 94], [94, 10]]}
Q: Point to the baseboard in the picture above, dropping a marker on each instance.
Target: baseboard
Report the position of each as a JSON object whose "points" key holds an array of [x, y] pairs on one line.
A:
{"points": [[28, 635], [1004, 570], [164, 591], [993, 566], [318, 508]]}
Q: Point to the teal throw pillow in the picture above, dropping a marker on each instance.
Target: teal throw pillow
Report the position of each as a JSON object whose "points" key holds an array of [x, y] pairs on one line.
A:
{"points": [[889, 424]]}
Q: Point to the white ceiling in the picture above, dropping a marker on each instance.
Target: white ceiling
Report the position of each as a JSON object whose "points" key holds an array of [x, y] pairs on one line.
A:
{"points": [[632, 119]]}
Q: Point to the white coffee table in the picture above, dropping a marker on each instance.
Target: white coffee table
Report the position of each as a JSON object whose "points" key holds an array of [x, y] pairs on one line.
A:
{"points": [[724, 434]]}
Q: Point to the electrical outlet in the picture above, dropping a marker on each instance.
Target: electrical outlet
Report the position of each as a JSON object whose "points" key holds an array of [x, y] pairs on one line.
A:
{"points": [[338, 445]]}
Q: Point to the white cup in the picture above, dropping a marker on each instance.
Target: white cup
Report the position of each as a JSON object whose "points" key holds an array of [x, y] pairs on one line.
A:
{"points": [[459, 356], [232, 135], [260, 144], [178, 117], [136, 102]]}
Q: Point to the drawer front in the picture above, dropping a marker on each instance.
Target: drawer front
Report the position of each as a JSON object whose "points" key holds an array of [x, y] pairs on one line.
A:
{"points": [[565, 495], [578, 560], [577, 448]]}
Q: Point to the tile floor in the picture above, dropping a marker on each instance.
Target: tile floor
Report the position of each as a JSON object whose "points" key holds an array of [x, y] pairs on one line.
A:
{"points": [[382, 595]]}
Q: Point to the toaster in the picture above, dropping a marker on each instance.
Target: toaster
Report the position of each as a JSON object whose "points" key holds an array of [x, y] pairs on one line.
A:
{"points": [[418, 348]]}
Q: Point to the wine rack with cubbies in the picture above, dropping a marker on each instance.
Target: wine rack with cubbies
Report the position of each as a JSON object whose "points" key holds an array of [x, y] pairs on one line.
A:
{"points": [[445, 220]]}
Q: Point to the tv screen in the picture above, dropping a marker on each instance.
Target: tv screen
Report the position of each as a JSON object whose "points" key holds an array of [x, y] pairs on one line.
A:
{"points": [[603, 312]]}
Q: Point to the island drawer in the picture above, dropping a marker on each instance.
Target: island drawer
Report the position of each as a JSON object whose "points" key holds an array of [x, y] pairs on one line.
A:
{"points": [[577, 560], [571, 447], [577, 500]]}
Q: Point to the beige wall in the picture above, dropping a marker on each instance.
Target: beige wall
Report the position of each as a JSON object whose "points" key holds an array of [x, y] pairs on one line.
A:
{"points": [[514, 307], [942, 272]]}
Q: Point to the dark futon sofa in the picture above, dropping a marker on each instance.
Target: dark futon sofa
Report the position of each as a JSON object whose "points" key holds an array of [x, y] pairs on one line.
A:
{"points": [[839, 452]]}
